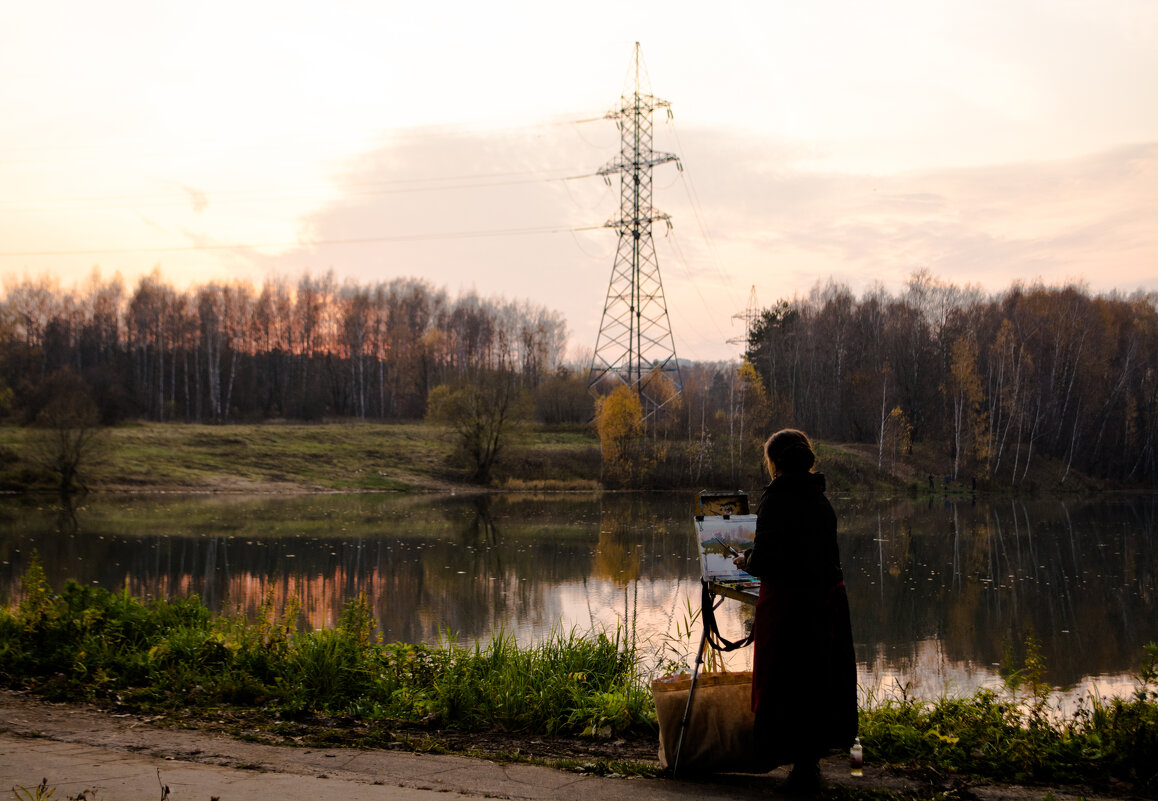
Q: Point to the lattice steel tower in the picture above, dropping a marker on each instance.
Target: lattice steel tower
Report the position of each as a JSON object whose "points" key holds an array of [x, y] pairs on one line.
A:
{"points": [[635, 341]]}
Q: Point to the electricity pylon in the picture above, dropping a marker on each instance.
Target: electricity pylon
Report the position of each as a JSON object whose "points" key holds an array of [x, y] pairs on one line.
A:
{"points": [[635, 341], [750, 315]]}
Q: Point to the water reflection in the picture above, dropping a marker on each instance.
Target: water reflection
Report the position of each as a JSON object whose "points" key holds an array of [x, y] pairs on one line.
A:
{"points": [[939, 591]]}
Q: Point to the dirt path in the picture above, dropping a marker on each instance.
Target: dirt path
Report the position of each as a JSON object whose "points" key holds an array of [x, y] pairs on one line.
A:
{"points": [[80, 750]]}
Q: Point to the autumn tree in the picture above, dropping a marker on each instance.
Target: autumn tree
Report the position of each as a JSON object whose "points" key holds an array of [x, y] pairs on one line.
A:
{"points": [[6, 394], [1066, 377], [619, 421], [748, 419], [774, 352], [896, 437], [965, 394], [482, 414], [67, 435], [562, 398]]}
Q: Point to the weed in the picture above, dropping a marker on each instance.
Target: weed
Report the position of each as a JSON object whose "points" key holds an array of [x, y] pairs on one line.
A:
{"points": [[175, 657], [86, 643], [1019, 736], [676, 652], [39, 793]]}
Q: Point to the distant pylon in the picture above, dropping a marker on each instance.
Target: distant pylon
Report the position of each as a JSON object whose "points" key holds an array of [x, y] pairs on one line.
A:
{"points": [[635, 340], [749, 315]]}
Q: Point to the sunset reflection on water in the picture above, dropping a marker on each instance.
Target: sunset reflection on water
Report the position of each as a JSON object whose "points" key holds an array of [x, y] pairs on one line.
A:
{"points": [[940, 591]]}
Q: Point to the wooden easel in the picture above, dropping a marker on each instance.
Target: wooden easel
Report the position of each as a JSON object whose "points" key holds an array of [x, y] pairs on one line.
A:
{"points": [[721, 518]]}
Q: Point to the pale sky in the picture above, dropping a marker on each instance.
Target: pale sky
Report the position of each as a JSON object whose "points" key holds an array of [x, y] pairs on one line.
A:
{"points": [[984, 141]]}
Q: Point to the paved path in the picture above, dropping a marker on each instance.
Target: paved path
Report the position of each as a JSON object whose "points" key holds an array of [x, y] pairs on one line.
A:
{"points": [[349, 775], [77, 748], [124, 758]]}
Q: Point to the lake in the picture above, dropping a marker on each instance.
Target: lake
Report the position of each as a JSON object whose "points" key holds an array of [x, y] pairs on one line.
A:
{"points": [[941, 589]]}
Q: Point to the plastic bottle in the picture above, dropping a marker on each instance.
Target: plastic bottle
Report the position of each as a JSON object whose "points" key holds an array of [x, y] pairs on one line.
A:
{"points": [[856, 759]]}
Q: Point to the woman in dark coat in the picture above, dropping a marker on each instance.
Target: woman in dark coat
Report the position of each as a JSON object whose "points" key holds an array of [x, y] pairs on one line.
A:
{"points": [[804, 671]]}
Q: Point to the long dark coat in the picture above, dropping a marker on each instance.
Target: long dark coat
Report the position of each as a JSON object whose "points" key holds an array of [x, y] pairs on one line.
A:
{"points": [[804, 674]]}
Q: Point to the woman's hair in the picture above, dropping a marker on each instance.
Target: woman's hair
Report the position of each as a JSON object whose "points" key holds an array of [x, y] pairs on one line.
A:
{"points": [[788, 451]]}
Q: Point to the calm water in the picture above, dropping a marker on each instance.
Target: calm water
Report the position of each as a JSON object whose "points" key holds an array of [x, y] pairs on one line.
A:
{"points": [[939, 590]]}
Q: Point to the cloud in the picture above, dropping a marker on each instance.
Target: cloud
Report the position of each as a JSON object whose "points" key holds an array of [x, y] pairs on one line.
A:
{"points": [[504, 213], [494, 212], [1090, 216]]}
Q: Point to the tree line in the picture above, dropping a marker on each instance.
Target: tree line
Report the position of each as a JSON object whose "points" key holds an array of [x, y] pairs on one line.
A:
{"points": [[988, 384], [993, 382], [229, 351]]}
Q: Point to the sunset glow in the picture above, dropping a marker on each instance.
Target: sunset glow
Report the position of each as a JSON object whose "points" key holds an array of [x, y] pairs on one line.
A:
{"points": [[982, 141]]}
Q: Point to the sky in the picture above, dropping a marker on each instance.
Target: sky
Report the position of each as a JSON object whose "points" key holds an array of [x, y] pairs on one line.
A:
{"points": [[985, 142]]}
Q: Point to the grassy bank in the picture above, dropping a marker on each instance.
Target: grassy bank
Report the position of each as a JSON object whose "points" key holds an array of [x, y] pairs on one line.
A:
{"points": [[354, 457], [85, 643], [287, 457], [174, 657]]}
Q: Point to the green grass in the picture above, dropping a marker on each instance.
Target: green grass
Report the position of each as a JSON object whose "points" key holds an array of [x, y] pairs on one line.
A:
{"points": [[1022, 735], [351, 456], [345, 456], [85, 643]]}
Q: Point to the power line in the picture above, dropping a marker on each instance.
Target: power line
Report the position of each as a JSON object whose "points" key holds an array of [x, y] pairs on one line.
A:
{"points": [[88, 151], [398, 186], [635, 339], [749, 316], [683, 262], [694, 200], [313, 243]]}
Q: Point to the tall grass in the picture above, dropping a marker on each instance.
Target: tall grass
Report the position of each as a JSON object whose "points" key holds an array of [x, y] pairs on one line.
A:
{"points": [[1025, 733], [88, 643]]}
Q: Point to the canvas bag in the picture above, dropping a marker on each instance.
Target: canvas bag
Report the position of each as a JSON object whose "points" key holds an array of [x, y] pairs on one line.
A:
{"points": [[720, 733]]}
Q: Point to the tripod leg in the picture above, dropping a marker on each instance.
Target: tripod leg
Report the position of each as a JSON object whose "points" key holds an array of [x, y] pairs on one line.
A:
{"points": [[675, 765]]}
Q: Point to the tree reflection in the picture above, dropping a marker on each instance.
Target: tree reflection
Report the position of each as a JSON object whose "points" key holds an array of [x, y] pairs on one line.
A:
{"points": [[975, 577], [937, 589]]}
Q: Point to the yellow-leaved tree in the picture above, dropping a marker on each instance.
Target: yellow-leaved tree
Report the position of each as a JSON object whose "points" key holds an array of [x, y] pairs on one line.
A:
{"points": [[619, 421], [965, 392]]}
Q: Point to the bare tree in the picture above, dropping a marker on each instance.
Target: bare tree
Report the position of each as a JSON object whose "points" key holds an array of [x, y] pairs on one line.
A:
{"points": [[481, 413], [68, 436]]}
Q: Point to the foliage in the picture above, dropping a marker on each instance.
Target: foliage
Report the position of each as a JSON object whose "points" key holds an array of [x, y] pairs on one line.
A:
{"points": [[41, 792], [619, 421], [995, 382], [6, 396], [482, 413], [562, 398], [1031, 387], [88, 643], [896, 438], [68, 437], [231, 352], [970, 443], [1024, 737]]}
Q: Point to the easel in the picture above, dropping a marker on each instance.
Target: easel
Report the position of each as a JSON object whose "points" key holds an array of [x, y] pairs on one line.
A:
{"points": [[723, 528]]}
